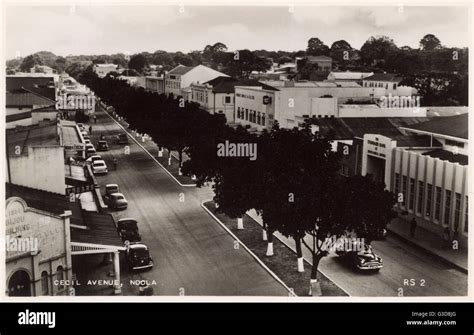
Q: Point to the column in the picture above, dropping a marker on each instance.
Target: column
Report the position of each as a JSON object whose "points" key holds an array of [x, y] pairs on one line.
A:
{"points": [[117, 287]]}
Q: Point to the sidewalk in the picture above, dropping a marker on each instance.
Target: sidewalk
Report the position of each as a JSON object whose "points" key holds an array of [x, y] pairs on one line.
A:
{"points": [[429, 242]]}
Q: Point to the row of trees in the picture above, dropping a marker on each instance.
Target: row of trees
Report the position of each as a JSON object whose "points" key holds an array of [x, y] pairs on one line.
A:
{"points": [[293, 183]]}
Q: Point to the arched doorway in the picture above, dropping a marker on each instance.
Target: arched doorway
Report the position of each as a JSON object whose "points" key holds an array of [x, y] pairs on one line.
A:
{"points": [[19, 284]]}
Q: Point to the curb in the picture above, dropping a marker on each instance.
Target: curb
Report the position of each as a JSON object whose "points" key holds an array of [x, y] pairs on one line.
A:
{"points": [[247, 249], [149, 154], [440, 258], [304, 258]]}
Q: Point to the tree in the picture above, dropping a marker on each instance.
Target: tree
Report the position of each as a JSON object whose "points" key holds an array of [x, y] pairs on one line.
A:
{"points": [[30, 62], [138, 62], [430, 42], [340, 51], [241, 63], [316, 47], [376, 49], [60, 64]]}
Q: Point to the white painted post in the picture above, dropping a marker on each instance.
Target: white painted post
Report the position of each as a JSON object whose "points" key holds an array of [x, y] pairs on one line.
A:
{"points": [[269, 249], [300, 264], [315, 288], [160, 152], [169, 160], [264, 235], [240, 223], [117, 287], [179, 172]]}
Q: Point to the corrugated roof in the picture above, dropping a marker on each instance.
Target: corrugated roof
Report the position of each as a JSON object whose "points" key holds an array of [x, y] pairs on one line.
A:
{"points": [[31, 136], [385, 77], [101, 230], [456, 126], [348, 128], [227, 84], [47, 201], [181, 69], [448, 156], [23, 97]]}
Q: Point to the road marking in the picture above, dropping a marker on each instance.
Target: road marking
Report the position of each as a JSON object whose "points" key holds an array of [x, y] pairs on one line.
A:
{"points": [[149, 154], [246, 248]]}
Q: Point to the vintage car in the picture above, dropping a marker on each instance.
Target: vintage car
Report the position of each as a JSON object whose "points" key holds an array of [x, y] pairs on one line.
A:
{"points": [[361, 256], [121, 138], [102, 145], [138, 256], [128, 230], [93, 158], [99, 167], [116, 201], [111, 188]]}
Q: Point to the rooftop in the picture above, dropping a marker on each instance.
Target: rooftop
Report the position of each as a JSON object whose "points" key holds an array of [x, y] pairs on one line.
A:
{"points": [[351, 75], [101, 230], [23, 97], [447, 156], [24, 137], [455, 126], [181, 69], [47, 201], [227, 84], [385, 77]]}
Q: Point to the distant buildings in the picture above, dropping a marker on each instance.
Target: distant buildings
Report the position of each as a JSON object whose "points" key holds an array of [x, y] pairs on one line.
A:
{"points": [[155, 84], [103, 69], [348, 76], [179, 79]]}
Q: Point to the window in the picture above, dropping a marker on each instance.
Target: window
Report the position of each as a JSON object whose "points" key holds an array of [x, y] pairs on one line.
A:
{"points": [[412, 194], [457, 210], [454, 143], [429, 191], [44, 283], [447, 207], [246, 114], [263, 119], [60, 277], [397, 185], [227, 100], [404, 189], [394, 86], [345, 170], [466, 216], [238, 112], [258, 117], [437, 202], [419, 207]]}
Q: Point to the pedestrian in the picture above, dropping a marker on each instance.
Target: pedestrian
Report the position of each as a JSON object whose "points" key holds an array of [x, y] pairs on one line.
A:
{"points": [[102, 136], [446, 237], [115, 163], [95, 118], [413, 225], [90, 129]]}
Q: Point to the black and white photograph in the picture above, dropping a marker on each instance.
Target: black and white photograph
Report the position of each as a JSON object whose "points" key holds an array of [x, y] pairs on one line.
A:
{"points": [[257, 151]]}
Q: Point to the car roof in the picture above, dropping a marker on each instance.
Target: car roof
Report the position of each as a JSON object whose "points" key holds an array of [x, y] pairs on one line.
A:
{"points": [[111, 185], [116, 194], [126, 219], [138, 246], [99, 161]]}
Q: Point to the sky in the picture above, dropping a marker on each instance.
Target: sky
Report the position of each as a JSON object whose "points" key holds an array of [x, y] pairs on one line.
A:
{"points": [[99, 29]]}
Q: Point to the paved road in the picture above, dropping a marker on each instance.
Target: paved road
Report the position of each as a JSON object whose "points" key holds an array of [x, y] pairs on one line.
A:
{"points": [[192, 253], [401, 262]]}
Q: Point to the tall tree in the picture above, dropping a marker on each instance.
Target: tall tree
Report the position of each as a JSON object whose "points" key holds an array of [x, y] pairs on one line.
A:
{"points": [[30, 62], [317, 48], [138, 62], [430, 42], [376, 49]]}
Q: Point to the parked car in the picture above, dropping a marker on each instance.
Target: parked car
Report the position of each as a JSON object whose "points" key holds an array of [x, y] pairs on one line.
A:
{"points": [[102, 145], [90, 150], [128, 230], [122, 138], [138, 256], [117, 201], [361, 256], [87, 141], [93, 158], [111, 188], [81, 126], [99, 167], [86, 137]]}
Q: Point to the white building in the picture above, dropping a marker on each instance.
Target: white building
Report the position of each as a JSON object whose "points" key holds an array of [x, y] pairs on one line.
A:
{"points": [[429, 177], [103, 69], [179, 79], [348, 76]]}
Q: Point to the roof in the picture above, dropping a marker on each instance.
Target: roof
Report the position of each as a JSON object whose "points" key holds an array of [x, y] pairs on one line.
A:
{"points": [[53, 203], [446, 110], [447, 156], [319, 58], [348, 128], [24, 137], [384, 77], [16, 82], [23, 97], [101, 230], [106, 65], [455, 126], [416, 141], [351, 75], [18, 116], [181, 69], [227, 84]]}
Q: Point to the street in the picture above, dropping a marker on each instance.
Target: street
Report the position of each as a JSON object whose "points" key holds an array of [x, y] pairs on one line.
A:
{"points": [[193, 253]]}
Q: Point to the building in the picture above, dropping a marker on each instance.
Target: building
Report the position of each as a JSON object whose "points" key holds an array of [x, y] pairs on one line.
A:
{"points": [[428, 176], [179, 79], [155, 84], [38, 255], [319, 67], [348, 76], [217, 96], [387, 81], [103, 69]]}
